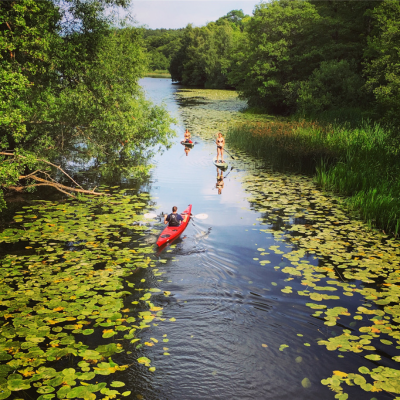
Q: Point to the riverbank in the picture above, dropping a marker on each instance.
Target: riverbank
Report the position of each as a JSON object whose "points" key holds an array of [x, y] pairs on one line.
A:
{"points": [[361, 163], [158, 74]]}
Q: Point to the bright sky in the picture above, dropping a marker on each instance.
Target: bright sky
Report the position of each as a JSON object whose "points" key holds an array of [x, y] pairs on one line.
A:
{"points": [[177, 14]]}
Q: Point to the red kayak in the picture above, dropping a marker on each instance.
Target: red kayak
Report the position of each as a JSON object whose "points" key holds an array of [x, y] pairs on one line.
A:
{"points": [[172, 232]]}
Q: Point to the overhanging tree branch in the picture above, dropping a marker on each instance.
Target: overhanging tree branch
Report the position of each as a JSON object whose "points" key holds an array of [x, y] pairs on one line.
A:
{"points": [[50, 181], [44, 161]]}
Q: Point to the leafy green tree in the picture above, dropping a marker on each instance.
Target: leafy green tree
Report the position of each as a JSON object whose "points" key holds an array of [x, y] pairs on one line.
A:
{"points": [[161, 45], [343, 29], [280, 48], [69, 89], [235, 17], [204, 58], [178, 61], [335, 84], [382, 67]]}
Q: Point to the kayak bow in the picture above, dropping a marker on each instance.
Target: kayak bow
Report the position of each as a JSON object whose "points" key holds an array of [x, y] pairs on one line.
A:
{"points": [[172, 232]]}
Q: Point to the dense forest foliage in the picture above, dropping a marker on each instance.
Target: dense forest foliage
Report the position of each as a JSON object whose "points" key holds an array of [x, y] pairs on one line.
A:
{"points": [[69, 91], [305, 57], [161, 45]]}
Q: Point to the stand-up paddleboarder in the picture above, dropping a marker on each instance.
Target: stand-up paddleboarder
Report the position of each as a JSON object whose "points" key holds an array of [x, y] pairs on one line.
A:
{"points": [[220, 147]]}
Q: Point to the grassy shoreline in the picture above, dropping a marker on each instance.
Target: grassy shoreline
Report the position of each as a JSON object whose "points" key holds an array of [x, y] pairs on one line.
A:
{"points": [[158, 74], [361, 163]]}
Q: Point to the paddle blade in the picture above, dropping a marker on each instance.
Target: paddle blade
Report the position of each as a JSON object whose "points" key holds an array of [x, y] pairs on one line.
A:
{"points": [[201, 216], [150, 215]]}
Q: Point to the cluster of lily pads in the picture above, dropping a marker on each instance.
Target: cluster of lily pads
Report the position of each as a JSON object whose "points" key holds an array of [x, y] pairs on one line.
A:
{"points": [[353, 260], [211, 111], [62, 281]]}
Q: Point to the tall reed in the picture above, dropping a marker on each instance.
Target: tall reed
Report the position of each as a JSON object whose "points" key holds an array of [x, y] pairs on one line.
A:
{"points": [[361, 163]]}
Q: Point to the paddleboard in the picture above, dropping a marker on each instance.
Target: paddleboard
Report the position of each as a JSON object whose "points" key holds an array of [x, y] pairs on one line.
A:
{"points": [[172, 232], [223, 165], [187, 144]]}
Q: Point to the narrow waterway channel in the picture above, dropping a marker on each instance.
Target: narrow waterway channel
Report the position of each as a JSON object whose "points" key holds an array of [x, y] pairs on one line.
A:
{"points": [[275, 290], [233, 321]]}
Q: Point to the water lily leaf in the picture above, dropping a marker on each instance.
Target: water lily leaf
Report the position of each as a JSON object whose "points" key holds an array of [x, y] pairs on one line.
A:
{"points": [[17, 384], [81, 392], [5, 393], [107, 333], [373, 357], [108, 350], [117, 384], [45, 389], [364, 370], [90, 355], [144, 360], [306, 383]]}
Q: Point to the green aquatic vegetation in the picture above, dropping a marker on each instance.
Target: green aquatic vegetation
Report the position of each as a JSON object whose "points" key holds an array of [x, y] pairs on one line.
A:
{"points": [[334, 257], [362, 163], [65, 283], [212, 110]]}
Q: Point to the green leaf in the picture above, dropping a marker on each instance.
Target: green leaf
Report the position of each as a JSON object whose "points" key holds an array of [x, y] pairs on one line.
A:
{"points": [[18, 384], [5, 393], [144, 360], [373, 357], [306, 383], [117, 384]]}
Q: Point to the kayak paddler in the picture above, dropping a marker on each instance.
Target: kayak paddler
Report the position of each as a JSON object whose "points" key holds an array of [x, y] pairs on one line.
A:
{"points": [[174, 219], [220, 147]]}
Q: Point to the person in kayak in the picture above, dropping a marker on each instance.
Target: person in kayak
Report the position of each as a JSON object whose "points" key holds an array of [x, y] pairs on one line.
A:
{"points": [[174, 219], [220, 147], [187, 136]]}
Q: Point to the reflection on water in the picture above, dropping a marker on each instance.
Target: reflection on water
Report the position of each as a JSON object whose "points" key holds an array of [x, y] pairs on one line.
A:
{"points": [[220, 180]]}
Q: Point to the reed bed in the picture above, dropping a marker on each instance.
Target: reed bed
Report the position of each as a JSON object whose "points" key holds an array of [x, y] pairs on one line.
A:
{"points": [[362, 163]]}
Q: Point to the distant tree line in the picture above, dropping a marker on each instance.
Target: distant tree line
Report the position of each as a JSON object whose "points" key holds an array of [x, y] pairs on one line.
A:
{"points": [[161, 46], [295, 56]]}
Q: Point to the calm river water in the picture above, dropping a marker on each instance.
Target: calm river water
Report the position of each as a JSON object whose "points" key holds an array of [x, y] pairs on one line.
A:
{"points": [[231, 315]]}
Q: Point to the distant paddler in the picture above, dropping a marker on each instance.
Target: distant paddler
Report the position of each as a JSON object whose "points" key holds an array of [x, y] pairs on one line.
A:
{"points": [[187, 136], [220, 147]]}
